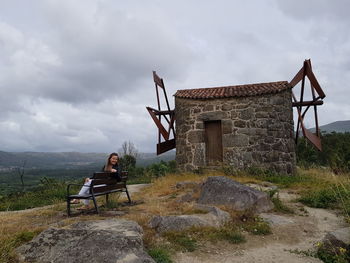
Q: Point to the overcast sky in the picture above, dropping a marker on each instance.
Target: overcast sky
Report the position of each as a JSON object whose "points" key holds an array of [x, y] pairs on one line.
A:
{"points": [[77, 75]]}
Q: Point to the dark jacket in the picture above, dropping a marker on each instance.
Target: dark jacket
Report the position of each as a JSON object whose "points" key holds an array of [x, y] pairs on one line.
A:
{"points": [[117, 174]]}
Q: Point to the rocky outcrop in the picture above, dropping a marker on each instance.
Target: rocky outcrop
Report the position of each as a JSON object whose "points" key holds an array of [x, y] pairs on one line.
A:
{"points": [[276, 220], [220, 190], [338, 238], [92, 241], [214, 218]]}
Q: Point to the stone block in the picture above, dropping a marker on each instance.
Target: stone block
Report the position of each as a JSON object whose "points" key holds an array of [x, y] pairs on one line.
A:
{"points": [[208, 108], [279, 146], [234, 114], [199, 155], [277, 100], [262, 114], [231, 140], [227, 107], [199, 125], [226, 126], [196, 136], [247, 114], [272, 156], [212, 116], [239, 124]]}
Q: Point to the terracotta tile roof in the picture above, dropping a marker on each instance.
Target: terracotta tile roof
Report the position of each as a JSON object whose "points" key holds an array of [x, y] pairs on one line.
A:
{"points": [[233, 91]]}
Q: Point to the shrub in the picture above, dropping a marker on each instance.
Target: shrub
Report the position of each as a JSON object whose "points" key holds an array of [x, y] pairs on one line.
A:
{"points": [[48, 192], [335, 152], [330, 254], [160, 255], [334, 195]]}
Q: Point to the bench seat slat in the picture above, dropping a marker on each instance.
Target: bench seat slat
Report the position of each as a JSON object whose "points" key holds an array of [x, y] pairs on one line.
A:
{"points": [[107, 188], [108, 181]]}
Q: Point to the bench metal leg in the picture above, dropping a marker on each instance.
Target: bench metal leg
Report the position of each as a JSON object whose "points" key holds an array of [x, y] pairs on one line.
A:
{"points": [[95, 203], [68, 206], [127, 193]]}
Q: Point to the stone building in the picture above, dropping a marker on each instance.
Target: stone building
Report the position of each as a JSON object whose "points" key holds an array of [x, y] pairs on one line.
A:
{"points": [[241, 126]]}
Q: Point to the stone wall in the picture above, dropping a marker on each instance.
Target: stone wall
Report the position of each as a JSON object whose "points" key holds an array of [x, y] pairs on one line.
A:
{"points": [[256, 131]]}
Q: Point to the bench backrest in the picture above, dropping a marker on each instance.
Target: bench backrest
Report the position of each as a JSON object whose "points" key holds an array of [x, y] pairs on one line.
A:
{"points": [[106, 181]]}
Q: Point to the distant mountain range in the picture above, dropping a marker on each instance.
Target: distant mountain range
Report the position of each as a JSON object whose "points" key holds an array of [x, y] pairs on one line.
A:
{"points": [[337, 126], [75, 159], [70, 159]]}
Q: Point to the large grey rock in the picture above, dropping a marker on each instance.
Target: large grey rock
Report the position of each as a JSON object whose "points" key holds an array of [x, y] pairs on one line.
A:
{"points": [[113, 240], [215, 218], [338, 238], [220, 190]]}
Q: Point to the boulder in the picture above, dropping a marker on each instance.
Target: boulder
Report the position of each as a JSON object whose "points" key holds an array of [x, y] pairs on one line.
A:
{"points": [[214, 218], [220, 190], [338, 238], [113, 240], [276, 220]]}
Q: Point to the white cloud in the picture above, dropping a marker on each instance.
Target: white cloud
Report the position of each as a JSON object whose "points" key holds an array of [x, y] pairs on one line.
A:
{"points": [[77, 75]]}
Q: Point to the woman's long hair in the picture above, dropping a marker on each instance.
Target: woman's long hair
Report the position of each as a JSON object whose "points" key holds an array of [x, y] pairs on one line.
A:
{"points": [[108, 162]]}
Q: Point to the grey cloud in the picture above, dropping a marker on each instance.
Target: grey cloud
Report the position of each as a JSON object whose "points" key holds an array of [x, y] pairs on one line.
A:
{"points": [[320, 9], [97, 59], [76, 75]]}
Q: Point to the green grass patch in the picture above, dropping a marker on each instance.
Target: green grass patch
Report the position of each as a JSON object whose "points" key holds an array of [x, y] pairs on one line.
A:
{"points": [[49, 192], [112, 204], [328, 254], [280, 207], [181, 241], [186, 241], [8, 245], [282, 180], [333, 254], [257, 226], [335, 196], [160, 255], [229, 234]]}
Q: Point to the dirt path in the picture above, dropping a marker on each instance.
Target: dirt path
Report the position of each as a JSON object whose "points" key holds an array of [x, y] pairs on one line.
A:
{"points": [[299, 232]]}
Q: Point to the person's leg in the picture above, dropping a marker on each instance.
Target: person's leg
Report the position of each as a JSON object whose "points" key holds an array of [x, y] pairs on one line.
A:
{"points": [[83, 191]]}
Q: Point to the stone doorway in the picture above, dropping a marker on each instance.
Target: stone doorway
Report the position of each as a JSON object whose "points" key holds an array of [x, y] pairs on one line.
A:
{"points": [[213, 142]]}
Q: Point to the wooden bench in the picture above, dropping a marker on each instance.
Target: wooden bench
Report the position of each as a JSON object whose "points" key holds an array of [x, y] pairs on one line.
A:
{"points": [[103, 183]]}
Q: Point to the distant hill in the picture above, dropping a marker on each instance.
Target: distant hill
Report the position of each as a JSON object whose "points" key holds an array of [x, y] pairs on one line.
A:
{"points": [[337, 126], [70, 159]]}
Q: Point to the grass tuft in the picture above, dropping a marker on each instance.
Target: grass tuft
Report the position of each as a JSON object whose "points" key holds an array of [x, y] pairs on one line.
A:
{"points": [[257, 226], [160, 255], [280, 207], [181, 241]]}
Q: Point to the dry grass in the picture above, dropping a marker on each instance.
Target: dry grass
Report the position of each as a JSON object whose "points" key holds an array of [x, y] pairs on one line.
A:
{"points": [[160, 198]]}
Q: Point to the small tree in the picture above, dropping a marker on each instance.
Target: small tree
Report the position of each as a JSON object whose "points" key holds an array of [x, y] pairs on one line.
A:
{"points": [[20, 172], [129, 154], [128, 148], [127, 162]]}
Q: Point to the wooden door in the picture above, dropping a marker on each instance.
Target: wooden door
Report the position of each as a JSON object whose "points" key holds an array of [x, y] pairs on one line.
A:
{"points": [[213, 142]]}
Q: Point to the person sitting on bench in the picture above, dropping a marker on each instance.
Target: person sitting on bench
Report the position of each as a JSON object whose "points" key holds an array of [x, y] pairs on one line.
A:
{"points": [[112, 165]]}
